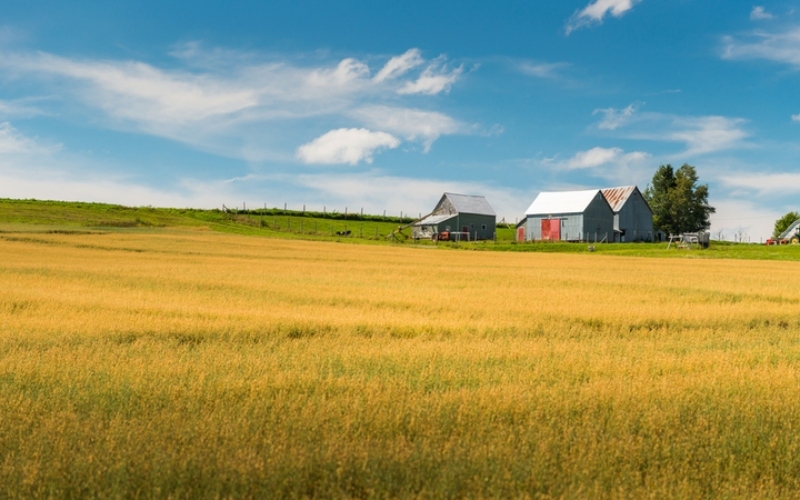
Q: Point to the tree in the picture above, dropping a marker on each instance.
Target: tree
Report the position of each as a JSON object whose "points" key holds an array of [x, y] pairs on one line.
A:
{"points": [[783, 223], [679, 204]]}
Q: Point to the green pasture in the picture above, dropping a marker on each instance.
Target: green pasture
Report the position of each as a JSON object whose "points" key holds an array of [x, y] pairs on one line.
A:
{"points": [[44, 216]]}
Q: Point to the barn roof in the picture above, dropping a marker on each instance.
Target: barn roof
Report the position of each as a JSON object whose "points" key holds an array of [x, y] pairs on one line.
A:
{"points": [[561, 202], [618, 196], [470, 204], [433, 220]]}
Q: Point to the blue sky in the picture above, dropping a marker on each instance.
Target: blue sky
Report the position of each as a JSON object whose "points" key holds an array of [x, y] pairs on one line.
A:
{"points": [[386, 105]]}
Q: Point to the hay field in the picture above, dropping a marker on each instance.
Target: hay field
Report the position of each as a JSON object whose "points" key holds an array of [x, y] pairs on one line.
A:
{"points": [[190, 364]]}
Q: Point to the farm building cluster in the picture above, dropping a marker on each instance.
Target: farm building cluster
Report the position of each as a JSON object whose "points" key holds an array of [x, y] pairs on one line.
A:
{"points": [[618, 214]]}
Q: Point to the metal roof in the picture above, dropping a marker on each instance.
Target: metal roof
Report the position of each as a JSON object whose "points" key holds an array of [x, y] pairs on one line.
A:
{"points": [[561, 202], [616, 197], [469, 204], [434, 220], [790, 230]]}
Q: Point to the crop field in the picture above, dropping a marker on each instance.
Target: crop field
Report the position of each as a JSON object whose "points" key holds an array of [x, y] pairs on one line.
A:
{"points": [[187, 363]]}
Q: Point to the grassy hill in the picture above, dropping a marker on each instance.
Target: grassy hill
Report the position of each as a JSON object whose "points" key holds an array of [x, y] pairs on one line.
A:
{"points": [[49, 216]]}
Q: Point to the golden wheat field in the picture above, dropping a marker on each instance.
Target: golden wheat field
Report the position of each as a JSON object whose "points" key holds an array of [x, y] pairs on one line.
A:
{"points": [[192, 364]]}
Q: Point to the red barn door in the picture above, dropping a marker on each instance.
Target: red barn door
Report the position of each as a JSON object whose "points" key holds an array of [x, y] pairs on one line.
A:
{"points": [[551, 229]]}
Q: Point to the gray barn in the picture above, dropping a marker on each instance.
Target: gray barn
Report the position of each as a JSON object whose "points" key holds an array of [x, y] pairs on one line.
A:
{"points": [[568, 216], [633, 218], [467, 217]]}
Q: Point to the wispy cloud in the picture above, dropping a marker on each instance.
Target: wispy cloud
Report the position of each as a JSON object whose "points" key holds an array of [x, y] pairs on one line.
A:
{"points": [[411, 124], [700, 134], [436, 78], [615, 118], [759, 13], [12, 141], [780, 46], [346, 145], [24, 108], [603, 162], [399, 65], [763, 183], [551, 71], [229, 102], [707, 134], [596, 11], [796, 118]]}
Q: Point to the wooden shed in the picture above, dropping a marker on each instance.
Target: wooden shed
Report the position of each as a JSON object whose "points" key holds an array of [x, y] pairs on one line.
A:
{"points": [[462, 216], [568, 216]]}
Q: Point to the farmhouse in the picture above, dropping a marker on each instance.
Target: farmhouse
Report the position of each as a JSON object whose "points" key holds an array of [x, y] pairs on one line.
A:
{"points": [[461, 216], [568, 216], [633, 218]]}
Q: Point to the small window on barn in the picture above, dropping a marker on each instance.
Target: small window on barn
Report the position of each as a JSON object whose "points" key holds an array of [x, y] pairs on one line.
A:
{"points": [[483, 227], [472, 226]]}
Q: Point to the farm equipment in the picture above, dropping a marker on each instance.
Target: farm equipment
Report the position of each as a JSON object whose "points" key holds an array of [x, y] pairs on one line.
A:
{"points": [[399, 231]]}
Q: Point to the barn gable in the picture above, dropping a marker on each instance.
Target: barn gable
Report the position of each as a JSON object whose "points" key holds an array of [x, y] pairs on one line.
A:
{"points": [[633, 218]]}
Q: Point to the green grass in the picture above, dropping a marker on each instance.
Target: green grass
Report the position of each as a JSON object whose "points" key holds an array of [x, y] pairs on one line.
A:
{"points": [[37, 215], [48, 216]]}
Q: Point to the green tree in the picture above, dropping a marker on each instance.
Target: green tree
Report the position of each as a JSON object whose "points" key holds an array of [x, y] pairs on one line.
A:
{"points": [[784, 222], [679, 204]]}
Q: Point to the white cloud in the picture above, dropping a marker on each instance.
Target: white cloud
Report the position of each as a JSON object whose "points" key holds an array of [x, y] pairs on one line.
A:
{"points": [[596, 11], [13, 142], [552, 71], [411, 124], [600, 157], [346, 145], [781, 47], [615, 118], [707, 134], [764, 183], [20, 108], [230, 103], [435, 79], [796, 118], [700, 134], [741, 217], [759, 13], [399, 65], [346, 72], [592, 158]]}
